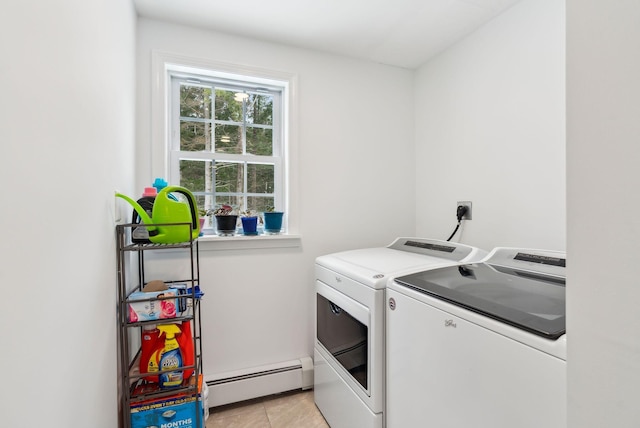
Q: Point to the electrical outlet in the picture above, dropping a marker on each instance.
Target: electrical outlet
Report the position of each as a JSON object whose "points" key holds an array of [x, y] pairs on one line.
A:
{"points": [[467, 204]]}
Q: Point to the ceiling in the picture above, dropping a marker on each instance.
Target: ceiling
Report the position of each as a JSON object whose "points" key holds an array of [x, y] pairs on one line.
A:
{"points": [[402, 33]]}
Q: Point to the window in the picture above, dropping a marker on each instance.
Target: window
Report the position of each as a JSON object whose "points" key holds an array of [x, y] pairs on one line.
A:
{"points": [[226, 139]]}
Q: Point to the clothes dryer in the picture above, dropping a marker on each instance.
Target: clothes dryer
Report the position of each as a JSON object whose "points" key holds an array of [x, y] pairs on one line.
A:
{"points": [[349, 349]]}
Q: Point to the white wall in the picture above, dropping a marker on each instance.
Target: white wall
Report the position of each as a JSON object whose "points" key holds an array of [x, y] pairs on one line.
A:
{"points": [[603, 234], [67, 124], [490, 129], [354, 166]]}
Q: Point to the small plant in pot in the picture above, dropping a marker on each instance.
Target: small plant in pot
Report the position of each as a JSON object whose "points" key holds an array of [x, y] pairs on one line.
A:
{"points": [[272, 221], [249, 222], [202, 217], [225, 220]]}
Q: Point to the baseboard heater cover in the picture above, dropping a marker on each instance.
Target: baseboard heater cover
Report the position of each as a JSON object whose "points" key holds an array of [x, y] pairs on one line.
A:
{"points": [[241, 385]]}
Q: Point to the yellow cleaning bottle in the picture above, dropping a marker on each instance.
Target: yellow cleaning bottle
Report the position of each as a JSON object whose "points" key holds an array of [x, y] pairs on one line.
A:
{"points": [[170, 358]]}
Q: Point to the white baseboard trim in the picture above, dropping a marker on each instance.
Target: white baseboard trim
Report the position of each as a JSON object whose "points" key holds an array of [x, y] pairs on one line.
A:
{"points": [[241, 385]]}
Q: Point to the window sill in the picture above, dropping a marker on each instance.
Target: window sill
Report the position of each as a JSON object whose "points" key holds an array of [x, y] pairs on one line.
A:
{"points": [[242, 242]]}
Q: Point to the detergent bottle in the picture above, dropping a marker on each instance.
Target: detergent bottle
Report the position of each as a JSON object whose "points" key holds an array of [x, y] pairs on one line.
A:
{"points": [[170, 358], [185, 341], [140, 234], [151, 347]]}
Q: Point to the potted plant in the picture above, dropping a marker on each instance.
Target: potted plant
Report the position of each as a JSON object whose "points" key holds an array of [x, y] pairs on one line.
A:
{"points": [[272, 221], [202, 217], [249, 222], [225, 220]]}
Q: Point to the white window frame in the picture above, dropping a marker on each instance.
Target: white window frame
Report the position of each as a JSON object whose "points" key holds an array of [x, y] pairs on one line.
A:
{"points": [[163, 161], [276, 159]]}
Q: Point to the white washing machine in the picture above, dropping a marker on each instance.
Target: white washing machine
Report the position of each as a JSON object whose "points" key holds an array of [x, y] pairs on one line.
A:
{"points": [[479, 345], [349, 362]]}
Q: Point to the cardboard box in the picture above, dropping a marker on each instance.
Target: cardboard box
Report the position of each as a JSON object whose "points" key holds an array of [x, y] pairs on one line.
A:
{"points": [[176, 411]]}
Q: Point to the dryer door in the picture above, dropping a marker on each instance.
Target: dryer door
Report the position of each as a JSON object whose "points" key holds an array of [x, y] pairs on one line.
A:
{"points": [[342, 329], [344, 337]]}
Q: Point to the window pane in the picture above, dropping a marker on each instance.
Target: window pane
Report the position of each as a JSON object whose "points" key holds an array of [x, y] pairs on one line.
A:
{"points": [[229, 177], [202, 200], [260, 109], [195, 136], [229, 139], [195, 101], [259, 204], [260, 178], [227, 107], [196, 175], [259, 141]]}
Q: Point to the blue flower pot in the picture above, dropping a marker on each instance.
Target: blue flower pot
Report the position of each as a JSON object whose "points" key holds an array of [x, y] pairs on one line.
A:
{"points": [[249, 225], [273, 222]]}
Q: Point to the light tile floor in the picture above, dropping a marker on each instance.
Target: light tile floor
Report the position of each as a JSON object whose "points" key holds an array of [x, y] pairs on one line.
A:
{"points": [[286, 410]]}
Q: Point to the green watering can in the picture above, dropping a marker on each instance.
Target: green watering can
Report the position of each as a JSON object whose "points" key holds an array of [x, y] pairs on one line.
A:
{"points": [[167, 209]]}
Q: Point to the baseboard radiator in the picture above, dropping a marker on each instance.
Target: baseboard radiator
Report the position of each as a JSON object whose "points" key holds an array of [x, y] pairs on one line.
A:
{"points": [[240, 385]]}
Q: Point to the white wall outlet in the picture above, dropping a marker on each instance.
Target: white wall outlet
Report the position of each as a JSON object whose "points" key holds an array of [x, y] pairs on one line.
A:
{"points": [[467, 204]]}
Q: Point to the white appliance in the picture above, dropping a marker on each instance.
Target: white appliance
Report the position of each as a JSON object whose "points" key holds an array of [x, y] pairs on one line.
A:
{"points": [[479, 345], [349, 363]]}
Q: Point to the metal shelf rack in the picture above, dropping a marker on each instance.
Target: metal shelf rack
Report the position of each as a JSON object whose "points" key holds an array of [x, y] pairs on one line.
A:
{"points": [[129, 282]]}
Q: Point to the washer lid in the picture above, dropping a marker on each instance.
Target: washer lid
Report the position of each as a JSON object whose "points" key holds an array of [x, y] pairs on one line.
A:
{"points": [[531, 301]]}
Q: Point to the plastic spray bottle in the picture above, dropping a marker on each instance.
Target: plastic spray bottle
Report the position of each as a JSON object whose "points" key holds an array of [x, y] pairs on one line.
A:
{"points": [[170, 358]]}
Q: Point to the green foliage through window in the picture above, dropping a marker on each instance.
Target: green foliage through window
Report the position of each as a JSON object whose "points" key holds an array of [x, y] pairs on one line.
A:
{"points": [[228, 149]]}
